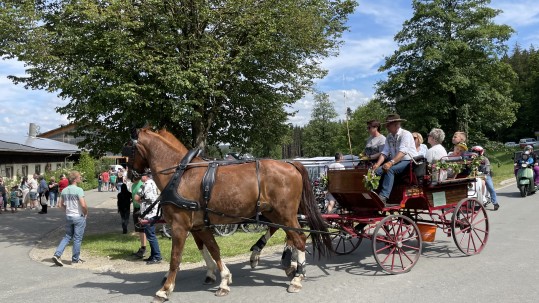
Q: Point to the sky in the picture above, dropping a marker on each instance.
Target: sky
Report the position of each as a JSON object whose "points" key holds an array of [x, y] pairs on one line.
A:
{"points": [[351, 78]]}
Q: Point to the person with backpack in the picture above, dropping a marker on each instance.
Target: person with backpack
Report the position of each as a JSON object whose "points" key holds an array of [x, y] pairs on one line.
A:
{"points": [[43, 191]]}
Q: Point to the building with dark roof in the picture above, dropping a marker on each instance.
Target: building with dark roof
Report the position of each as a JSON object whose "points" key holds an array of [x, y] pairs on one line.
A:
{"points": [[25, 155]]}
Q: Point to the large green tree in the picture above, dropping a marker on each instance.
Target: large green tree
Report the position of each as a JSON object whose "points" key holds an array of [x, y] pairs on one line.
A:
{"points": [[447, 71], [525, 63], [209, 70], [319, 135]]}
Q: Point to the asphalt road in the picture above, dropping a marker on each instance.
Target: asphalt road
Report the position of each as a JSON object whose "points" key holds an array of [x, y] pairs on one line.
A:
{"points": [[506, 271]]}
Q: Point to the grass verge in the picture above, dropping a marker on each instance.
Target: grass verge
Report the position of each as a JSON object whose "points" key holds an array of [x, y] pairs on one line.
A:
{"points": [[120, 246], [501, 162]]}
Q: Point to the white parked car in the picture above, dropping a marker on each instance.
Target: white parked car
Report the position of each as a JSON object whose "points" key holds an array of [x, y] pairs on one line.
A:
{"points": [[511, 144], [528, 141]]}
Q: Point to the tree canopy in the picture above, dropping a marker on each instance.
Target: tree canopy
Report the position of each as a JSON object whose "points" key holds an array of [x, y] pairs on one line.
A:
{"points": [[448, 72], [209, 71], [320, 134]]}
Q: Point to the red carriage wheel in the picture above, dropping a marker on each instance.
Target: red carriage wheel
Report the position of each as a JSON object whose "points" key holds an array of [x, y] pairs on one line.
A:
{"points": [[344, 242], [469, 226], [396, 244]]}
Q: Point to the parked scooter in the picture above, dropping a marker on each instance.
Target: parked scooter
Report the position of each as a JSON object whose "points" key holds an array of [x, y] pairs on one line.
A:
{"points": [[525, 178]]}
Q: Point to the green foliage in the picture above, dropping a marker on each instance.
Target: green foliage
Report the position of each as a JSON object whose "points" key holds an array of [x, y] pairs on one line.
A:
{"points": [[374, 109], [371, 180], [525, 63], [319, 134], [448, 65], [208, 71], [86, 166]]}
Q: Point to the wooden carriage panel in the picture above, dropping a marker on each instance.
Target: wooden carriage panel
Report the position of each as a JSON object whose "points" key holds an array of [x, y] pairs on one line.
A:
{"points": [[446, 194], [348, 189]]}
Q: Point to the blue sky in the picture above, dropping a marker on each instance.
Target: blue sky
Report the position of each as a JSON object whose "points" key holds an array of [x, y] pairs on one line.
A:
{"points": [[349, 83]]}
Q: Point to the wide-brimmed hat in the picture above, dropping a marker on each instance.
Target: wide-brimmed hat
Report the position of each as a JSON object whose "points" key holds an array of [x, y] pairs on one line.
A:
{"points": [[393, 118]]}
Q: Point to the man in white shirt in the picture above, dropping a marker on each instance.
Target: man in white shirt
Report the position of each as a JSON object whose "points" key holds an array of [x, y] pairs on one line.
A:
{"points": [[146, 196], [398, 151]]}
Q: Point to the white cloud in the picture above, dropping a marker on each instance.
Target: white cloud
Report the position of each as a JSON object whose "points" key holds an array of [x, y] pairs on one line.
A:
{"points": [[341, 99]]}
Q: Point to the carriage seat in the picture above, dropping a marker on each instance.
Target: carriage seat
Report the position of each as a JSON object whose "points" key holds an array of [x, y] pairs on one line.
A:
{"points": [[414, 175]]}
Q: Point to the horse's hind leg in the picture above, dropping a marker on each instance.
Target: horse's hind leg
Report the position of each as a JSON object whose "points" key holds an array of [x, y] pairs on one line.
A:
{"points": [[295, 284], [296, 271], [226, 277], [211, 266], [259, 245]]}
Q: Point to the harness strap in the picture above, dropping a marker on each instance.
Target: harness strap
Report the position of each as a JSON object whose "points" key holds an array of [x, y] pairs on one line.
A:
{"points": [[207, 185], [257, 210]]}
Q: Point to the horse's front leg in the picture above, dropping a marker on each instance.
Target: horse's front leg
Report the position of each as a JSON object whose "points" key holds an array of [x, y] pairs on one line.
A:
{"points": [[178, 242]]}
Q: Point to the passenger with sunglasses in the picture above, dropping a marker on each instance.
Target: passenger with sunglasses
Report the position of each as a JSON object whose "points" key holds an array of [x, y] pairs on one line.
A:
{"points": [[375, 142]]}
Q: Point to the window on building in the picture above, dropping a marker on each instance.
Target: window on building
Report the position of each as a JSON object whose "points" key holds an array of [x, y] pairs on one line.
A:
{"points": [[9, 172], [25, 170], [38, 169]]}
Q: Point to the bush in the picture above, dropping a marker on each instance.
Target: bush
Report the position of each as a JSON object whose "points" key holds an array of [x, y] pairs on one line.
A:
{"points": [[86, 167]]}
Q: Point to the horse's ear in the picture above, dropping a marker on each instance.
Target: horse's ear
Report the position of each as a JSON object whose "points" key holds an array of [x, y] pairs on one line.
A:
{"points": [[134, 133]]}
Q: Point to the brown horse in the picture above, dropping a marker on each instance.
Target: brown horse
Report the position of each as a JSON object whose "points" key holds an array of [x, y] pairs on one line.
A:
{"points": [[279, 189]]}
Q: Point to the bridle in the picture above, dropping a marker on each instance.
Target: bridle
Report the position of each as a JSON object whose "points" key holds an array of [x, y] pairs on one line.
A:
{"points": [[129, 151]]}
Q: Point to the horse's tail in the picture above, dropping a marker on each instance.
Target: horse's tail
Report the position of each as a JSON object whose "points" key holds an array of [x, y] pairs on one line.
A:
{"points": [[309, 208]]}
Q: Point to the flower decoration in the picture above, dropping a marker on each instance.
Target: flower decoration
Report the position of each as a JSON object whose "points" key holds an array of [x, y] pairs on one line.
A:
{"points": [[371, 180]]}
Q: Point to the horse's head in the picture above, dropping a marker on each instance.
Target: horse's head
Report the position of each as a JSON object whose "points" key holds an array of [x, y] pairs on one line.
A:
{"points": [[136, 153]]}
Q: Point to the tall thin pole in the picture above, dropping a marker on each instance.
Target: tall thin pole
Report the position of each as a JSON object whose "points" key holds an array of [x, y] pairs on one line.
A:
{"points": [[347, 126]]}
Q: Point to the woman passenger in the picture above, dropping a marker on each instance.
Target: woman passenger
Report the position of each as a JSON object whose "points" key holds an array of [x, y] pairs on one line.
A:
{"points": [[436, 150], [375, 142], [419, 146]]}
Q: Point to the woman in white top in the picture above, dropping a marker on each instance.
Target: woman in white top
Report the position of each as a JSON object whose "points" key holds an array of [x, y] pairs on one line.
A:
{"points": [[436, 151], [375, 142]]}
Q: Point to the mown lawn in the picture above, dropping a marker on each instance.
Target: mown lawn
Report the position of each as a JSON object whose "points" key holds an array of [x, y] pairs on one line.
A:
{"points": [[501, 161], [120, 246]]}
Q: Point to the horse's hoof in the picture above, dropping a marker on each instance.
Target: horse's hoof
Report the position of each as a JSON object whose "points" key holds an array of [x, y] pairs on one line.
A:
{"points": [[294, 288], [221, 292], [290, 272], [254, 263], [209, 280], [254, 260], [157, 299]]}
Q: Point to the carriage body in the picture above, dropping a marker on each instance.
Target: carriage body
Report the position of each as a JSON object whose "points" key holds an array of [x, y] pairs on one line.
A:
{"points": [[417, 205]]}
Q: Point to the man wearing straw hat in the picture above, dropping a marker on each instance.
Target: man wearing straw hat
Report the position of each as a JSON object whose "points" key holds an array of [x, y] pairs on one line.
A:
{"points": [[396, 155]]}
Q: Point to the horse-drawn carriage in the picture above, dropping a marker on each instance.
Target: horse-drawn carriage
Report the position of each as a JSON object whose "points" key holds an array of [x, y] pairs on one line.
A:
{"points": [[416, 208], [197, 194]]}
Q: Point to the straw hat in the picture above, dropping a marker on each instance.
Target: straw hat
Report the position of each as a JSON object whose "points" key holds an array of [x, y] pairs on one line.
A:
{"points": [[462, 146]]}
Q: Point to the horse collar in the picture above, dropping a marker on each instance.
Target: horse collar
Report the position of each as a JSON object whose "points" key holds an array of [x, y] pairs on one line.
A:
{"points": [[170, 194]]}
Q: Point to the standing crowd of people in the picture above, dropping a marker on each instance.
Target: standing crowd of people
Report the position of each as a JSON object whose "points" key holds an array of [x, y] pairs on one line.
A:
{"points": [[31, 193]]}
